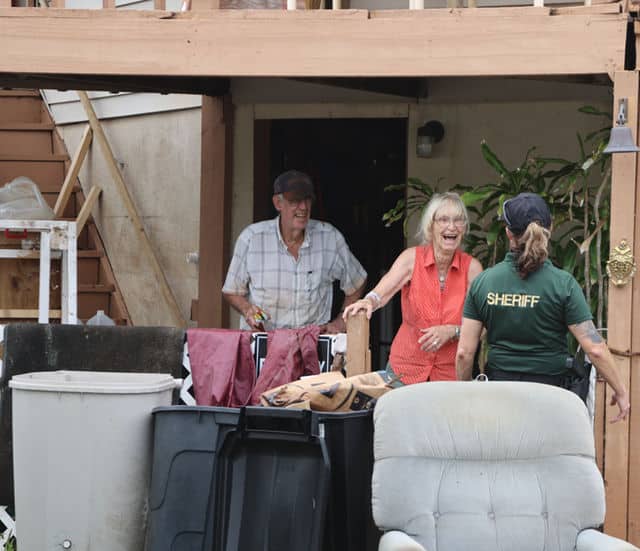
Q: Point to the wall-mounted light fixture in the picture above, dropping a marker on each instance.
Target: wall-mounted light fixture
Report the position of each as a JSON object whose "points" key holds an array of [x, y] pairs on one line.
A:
{"points": [[621, 139], [429, 133]]}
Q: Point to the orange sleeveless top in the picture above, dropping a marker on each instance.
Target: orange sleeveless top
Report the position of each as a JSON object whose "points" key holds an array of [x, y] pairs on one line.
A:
{"points": [[425, 304]]}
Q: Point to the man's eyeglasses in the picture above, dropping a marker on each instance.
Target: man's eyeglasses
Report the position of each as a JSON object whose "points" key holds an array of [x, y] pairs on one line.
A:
{"points": [[445, 221]]}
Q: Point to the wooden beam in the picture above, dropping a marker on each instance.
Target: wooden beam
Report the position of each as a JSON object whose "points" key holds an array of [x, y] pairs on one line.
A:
{"points": [[235, 43], [147, 247], [620, 312], [72, 173], [26, 313], [633, 381], [357, 345], [159, 5], [215, 211], [87, 207]]}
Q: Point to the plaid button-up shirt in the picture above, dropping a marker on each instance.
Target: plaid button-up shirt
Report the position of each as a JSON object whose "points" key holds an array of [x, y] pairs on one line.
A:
{"points": [[294, 292]]}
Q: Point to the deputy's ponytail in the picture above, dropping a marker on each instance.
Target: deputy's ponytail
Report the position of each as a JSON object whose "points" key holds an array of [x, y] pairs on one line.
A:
{"points": [[532, 249]]}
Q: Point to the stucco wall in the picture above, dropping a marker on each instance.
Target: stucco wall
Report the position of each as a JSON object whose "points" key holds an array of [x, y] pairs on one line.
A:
{"points": [[159, 156]]}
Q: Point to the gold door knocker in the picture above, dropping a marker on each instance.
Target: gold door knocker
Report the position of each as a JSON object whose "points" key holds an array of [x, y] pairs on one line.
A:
{"points": [[621, 265]]}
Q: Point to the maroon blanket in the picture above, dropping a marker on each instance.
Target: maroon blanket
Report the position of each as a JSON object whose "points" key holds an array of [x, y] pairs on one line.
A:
{"points": [[222, 367], [291, 354]]}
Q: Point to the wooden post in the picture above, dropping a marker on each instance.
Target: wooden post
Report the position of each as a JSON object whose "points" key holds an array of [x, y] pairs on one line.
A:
{"points": [[620, 313], [358, 345], [632, 375], [215, 211], [100, 136]]}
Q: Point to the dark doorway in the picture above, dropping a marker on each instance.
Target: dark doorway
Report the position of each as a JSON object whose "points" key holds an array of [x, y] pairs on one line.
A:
{"points": [[350, 161]]}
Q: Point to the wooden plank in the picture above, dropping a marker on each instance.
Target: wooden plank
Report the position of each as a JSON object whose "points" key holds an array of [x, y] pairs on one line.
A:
{"points": [[633, 380], [159, 4], [357, 344], [623, 205], [109, 4], [72, 174], [215, 221], [19, 313], [598, 423], [100, 136], [24, 126], [21, 142], [87, 207], [218, 43], [205, 5], [331, 111], [633, 528], [613, 7]]}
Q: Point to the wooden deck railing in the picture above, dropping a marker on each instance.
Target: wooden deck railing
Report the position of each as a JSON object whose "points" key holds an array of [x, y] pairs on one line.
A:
{"points": [[187, 5]]}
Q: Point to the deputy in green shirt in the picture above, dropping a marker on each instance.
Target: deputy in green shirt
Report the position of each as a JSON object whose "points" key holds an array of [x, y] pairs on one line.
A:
{"points": [[527, 306]]}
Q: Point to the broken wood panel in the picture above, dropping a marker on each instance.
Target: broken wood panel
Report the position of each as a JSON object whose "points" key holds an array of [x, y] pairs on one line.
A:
{"points": [[219, 44]]}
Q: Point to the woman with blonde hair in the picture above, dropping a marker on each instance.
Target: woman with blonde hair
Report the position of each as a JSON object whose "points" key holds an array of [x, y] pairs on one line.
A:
{"points": [[527, 305], [433, 279]]}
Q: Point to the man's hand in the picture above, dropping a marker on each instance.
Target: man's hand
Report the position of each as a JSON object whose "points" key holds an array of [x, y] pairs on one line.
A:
{"points": [[255, 316]]}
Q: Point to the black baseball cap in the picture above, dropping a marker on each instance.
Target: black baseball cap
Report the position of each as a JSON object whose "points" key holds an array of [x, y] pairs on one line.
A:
{"points": [[523, 209], [296, 183]]}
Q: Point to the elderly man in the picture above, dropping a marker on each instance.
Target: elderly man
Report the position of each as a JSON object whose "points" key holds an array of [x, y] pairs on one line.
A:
{"points": [[282, 270]]}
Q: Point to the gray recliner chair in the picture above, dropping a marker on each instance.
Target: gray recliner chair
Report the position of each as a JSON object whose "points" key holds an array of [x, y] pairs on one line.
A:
{"points": [[475, 466]]}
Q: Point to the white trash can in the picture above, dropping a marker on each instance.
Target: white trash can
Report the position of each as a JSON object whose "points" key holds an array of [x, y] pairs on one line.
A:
{"points": [[82, 456]]}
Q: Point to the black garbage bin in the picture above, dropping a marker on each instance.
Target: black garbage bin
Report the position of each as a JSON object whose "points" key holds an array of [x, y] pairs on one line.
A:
{"points": [[227, 479]]}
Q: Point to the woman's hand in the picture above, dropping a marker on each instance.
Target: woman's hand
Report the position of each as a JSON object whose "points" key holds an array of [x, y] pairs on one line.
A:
{"points": [[362, 305], [433, 338]]}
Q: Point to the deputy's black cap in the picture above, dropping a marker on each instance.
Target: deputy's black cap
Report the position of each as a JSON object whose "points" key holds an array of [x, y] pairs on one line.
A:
{"points": [[523, 209], [296, 183]]}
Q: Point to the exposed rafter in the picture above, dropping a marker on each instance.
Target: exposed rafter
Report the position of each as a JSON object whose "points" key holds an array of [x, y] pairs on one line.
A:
{"points": [[210, 86]]}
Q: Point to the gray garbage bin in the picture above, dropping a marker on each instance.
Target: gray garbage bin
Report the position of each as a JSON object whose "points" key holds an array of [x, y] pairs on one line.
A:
{"points": [[82, 453]]}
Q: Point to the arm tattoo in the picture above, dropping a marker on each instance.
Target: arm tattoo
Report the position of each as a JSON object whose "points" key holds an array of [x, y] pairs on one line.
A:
{"points": [[588, 330]]}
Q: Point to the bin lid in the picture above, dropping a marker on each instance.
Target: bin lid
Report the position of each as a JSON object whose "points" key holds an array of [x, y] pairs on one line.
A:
{"points": [[94, 382]]}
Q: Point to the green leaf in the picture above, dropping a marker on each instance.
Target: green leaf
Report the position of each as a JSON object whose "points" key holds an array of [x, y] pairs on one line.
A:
{"points": [[591, 110], [493, 160]]}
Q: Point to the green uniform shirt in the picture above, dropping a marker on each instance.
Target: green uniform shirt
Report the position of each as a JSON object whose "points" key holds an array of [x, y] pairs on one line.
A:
{"points": [[526, 319]]}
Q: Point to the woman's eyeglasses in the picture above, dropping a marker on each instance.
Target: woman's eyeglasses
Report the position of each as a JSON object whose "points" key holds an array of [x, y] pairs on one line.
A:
{"points": [[445, 221]]}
